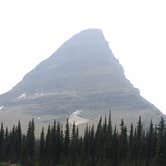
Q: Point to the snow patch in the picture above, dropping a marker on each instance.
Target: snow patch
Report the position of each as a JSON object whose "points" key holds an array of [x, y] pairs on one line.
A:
{"points": [[1, 107], [75, 117], [22, 96], [36, 95]]}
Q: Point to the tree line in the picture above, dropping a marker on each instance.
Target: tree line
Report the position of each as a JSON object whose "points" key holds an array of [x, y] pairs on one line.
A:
{"points": [[103, 145]]}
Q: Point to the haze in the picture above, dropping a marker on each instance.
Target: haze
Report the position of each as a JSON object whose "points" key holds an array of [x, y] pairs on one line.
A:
{"points": [[30, 31]]}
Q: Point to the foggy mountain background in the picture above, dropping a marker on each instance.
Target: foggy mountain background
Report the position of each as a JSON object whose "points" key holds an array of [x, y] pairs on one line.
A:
{"points": [[31, 31], [81, 81]]}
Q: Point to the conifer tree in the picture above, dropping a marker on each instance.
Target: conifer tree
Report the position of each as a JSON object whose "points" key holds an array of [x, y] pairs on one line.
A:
{"points": [[123, 143], [161, 151], [1, 141], [149, 144], [96, 147], [139, 145], [42, 148], [30, 141], [58, 143], [131, 144], [18, 141], [48, 146], [67, 138]]}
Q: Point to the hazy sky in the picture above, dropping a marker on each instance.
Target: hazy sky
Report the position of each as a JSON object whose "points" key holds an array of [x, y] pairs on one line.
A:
{"points": [[31, 30]]}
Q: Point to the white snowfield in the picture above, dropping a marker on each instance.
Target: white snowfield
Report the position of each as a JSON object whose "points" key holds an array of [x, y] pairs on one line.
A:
{"points": [[32, 96], [1, 107], [75, 117], [22, 96]]}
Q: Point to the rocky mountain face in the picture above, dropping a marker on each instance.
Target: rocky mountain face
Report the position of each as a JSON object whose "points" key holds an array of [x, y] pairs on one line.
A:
{"points": [[81, 80]]}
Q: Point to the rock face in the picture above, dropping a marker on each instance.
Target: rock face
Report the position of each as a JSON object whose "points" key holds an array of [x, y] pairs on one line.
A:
{"points": [[81, 79]]}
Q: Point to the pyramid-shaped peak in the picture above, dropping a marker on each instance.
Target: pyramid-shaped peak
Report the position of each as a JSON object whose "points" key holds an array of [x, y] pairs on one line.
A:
{"points": [[92, 31], [85, 56], [89, 35], [82, 74], [87, 44]]}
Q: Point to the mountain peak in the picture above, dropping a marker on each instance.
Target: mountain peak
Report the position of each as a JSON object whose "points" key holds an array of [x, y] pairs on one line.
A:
{"points": [[86, 37], [82, 77], [90, 33], [92, 30]]}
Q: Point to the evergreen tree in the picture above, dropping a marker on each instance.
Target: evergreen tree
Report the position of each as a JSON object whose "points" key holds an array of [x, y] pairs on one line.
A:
{"points": [[161, 151], [139, 141], [30, 142], [48, 146], [123, 143], [149, 144], [73, 146], [42, 148], [18, 141], [67, 138], [131, 144], [59, 143], [1, 142], [96, 147]]}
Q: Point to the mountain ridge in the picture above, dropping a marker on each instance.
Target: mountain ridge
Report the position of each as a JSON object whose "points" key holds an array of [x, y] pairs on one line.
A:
{"points": [[81, 78]]}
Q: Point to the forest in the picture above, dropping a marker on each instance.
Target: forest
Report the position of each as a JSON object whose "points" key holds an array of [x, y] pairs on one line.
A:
{"points": [[103, 145]]}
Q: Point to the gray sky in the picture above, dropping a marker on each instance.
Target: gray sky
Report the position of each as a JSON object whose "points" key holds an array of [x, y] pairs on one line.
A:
{"points": [[32, 30]]}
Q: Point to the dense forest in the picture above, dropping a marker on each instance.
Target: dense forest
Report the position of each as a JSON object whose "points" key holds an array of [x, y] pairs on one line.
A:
{"points": [[104, 145]]}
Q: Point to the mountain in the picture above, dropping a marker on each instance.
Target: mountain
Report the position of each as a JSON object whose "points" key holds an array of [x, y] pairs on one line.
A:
{"points": [[81, 80]]}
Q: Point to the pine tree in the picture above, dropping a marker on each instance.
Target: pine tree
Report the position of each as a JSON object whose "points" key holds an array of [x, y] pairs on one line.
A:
{"points": [[18, 141], [73, 146], [123, 143], [115, 146], [48, 146], [59, 143], [67, 138], [149, 144], [131, 144], [30, 142], [42, 148], [6, 144], [1, 142], [98, 140], [109, 149], [139, 141], [161, 151], [109, 123]]}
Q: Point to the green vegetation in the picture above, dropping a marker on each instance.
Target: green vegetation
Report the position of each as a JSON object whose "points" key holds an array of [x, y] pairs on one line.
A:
{"points": [[104, 145]]}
